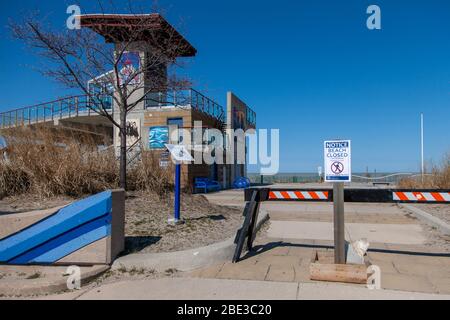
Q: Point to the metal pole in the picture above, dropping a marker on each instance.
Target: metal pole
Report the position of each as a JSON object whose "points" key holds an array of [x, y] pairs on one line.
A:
{"points": [[421, 146], [177, 192], [339, 232]]}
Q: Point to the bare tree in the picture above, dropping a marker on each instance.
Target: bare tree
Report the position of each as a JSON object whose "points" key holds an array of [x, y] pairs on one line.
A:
{"points": [[77, 57]]}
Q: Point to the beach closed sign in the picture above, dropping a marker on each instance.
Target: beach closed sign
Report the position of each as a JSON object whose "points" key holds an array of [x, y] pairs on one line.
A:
{"points": [[337, 155]]}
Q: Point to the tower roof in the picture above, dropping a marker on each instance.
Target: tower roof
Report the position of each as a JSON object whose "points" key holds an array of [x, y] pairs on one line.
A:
{"points": [[152, 28]]}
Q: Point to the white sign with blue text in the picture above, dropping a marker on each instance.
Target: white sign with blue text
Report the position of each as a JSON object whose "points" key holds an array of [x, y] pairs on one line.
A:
{"points": [[179, 153], [338, 164]]}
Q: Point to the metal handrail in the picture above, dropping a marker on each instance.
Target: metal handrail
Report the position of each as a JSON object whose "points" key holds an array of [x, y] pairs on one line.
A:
{"points": [[185, 98], [44, 103], [74, 105], [57, 109]]}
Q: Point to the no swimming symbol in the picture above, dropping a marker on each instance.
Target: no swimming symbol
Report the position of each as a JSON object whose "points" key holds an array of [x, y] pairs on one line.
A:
{"points": [[337, 167]]}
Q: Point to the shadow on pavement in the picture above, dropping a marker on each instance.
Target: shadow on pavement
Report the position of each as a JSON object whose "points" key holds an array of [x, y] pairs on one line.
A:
{"points": [[135, 244], [259, 249]]}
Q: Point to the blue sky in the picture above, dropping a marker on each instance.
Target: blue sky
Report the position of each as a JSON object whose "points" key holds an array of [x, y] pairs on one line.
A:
{"points": [[309, 68]]}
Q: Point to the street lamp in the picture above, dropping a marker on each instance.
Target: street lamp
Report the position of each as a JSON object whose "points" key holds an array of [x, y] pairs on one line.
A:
{"points": [[421, 146]]}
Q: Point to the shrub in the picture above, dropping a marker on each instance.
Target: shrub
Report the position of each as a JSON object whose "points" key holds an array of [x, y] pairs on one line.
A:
{"points": [[51, 162], [149, 175], [438, 178]]}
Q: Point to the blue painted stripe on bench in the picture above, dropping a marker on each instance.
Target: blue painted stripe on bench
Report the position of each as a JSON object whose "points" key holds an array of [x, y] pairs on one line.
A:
{"points": [[74, 245], [66, 243], [66, 219]]}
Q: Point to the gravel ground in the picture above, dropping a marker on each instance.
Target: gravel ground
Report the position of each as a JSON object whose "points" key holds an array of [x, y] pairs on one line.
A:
{"points": [[147, 229], [441, 211], [435, 239], [27, 202], [146, 220]]}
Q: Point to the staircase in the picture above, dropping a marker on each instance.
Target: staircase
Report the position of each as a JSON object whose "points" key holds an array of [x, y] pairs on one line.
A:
{"points": [[134, 153]]}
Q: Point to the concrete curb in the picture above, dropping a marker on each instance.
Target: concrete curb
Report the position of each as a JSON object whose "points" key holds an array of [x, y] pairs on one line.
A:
{"points": [[184, 260], [49, 285], [262, 218], [232, 289], [428, 218]]}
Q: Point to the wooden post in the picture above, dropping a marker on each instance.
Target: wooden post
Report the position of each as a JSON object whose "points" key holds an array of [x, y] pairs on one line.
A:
{"points": [[339, 229]]}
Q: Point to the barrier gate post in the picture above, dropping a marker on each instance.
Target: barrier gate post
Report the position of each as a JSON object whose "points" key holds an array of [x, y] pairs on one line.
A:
{"points": [[339, 228]]}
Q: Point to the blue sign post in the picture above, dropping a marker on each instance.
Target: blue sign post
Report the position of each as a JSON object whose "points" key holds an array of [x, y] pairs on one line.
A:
{"points": [[177, 192], [179, 155]]}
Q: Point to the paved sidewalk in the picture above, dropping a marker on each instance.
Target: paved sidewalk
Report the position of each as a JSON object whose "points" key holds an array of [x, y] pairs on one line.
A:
{"points": [[289, 262], [216, 289], [397, 243], [382, 223]]}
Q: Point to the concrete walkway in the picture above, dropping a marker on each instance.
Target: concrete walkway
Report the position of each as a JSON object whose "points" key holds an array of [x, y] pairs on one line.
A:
{"points": [[216, 289], [381, 223], [34, 280], [296, 229]]}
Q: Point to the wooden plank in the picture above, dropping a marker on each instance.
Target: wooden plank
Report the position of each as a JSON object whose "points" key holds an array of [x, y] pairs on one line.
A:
{"points": [[243, 233], [322, 269]]}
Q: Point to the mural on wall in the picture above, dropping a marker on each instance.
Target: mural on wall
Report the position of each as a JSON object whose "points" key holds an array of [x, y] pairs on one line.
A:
{"points": [[133, 132], [239, 119], [241, 116], [158, 137], [129, 64]]}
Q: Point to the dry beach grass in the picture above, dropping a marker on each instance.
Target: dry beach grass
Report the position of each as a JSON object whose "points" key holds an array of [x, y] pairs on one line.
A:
{"points": [[52, 162], [437, 178]]}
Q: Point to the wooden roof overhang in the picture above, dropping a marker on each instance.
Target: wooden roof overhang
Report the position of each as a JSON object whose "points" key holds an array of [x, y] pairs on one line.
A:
{"points": [[152, 28]]}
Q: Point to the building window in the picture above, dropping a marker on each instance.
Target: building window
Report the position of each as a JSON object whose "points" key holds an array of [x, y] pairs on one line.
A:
{"points": [[175, 124]]}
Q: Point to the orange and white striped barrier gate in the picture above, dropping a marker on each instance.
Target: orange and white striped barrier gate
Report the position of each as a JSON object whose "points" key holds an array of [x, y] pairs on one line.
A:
{"points": [[298, 195], [352, 195], [416, 196]]}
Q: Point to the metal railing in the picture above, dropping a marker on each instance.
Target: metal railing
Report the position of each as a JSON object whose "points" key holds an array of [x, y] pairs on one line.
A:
{"points": [[85, 106], [68, 107], [372, 178], [185, 98]]}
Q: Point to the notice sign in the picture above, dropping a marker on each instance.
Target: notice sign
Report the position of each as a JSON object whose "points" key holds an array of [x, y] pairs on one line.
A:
{"points": [[179, 153], [337, 155]]}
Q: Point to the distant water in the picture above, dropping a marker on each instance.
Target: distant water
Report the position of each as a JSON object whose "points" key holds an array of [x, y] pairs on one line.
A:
{"points": [[303, 177]]}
